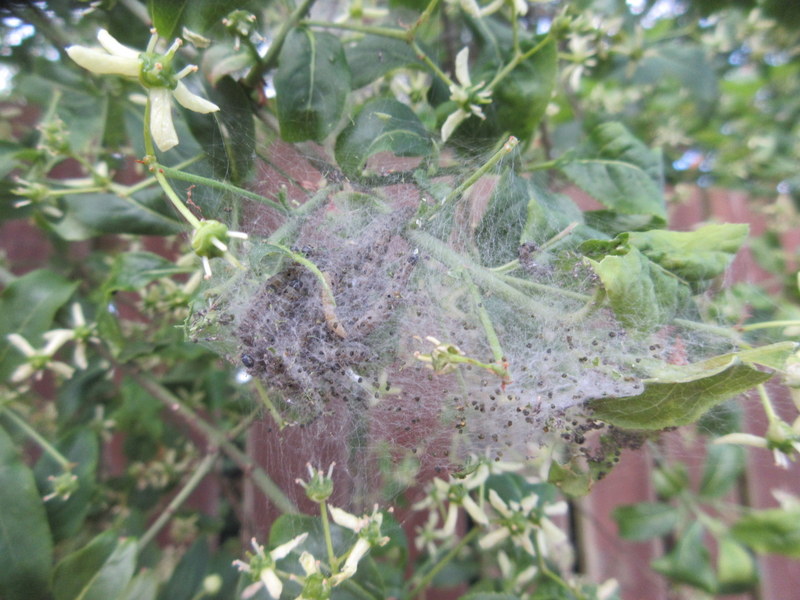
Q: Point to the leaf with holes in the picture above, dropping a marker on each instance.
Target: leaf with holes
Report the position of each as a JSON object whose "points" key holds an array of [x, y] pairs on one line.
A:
{"points": [[680, 397]]}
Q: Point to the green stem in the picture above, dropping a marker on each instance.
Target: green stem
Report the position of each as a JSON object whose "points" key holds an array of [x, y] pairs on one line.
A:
{"points": [[265, 400], [220, 185], [715, 329], [74, 191], [129, 190], [514, 29], [506, 149], [289, 229], [483, 278], [199, 473], [251, 79], [516, 60], [40, 441], [552, 576], [151, 153], [327, 292], [423, 18], [430, 64], [258, 476], [766, 403], [541, 287], [486, 321], [397, 34], [442, 563], [769, 324], [326, 529], [357, 589]]}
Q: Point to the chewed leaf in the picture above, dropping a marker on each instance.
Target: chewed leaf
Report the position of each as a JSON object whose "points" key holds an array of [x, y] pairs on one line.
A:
{"points": [[682, 396], [641, 294], [693, 255], [381, 125]]}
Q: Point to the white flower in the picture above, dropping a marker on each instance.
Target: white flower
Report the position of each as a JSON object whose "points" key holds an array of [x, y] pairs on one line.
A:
{"points": [[154, 71], [368, 528], [469, 97], [473, 9], [261, 565], [39, 360], [81, 334]]}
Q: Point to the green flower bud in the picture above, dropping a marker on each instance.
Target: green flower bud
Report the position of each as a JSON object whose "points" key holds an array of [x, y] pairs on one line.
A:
{"points": [[156, 71], [319, 486], [316, 587], [203, 240]]}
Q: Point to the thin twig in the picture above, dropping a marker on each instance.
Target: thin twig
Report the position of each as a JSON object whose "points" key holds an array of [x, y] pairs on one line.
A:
{"points": [[216, 437]]}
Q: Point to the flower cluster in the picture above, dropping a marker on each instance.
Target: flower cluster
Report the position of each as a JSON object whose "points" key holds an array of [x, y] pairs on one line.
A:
{"points": [[318, 583]]}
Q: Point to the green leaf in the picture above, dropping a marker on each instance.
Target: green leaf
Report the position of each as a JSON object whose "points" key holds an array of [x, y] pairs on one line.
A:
{"points": [[499, 232], [512, 487], [695, 255], [26, 547], [737, 571], [92, 215], [188, 575], [287, 527], [28, 306], [67, 516], [685, 63], [381, 125], [645, 520], [641, 294], [134, 270], [373, 56], [771, 531], [773, 356], [207, 13], [620, 172], [670, 479], [723, 466], [522, 97], [78, 397], [681, 396], [142, 587], [227, 137], [311, 85], [225, 59], [488, 596], [689, 562], [101, 570], [166, 16], [9, 151], [551, 214], [571, 478]]}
